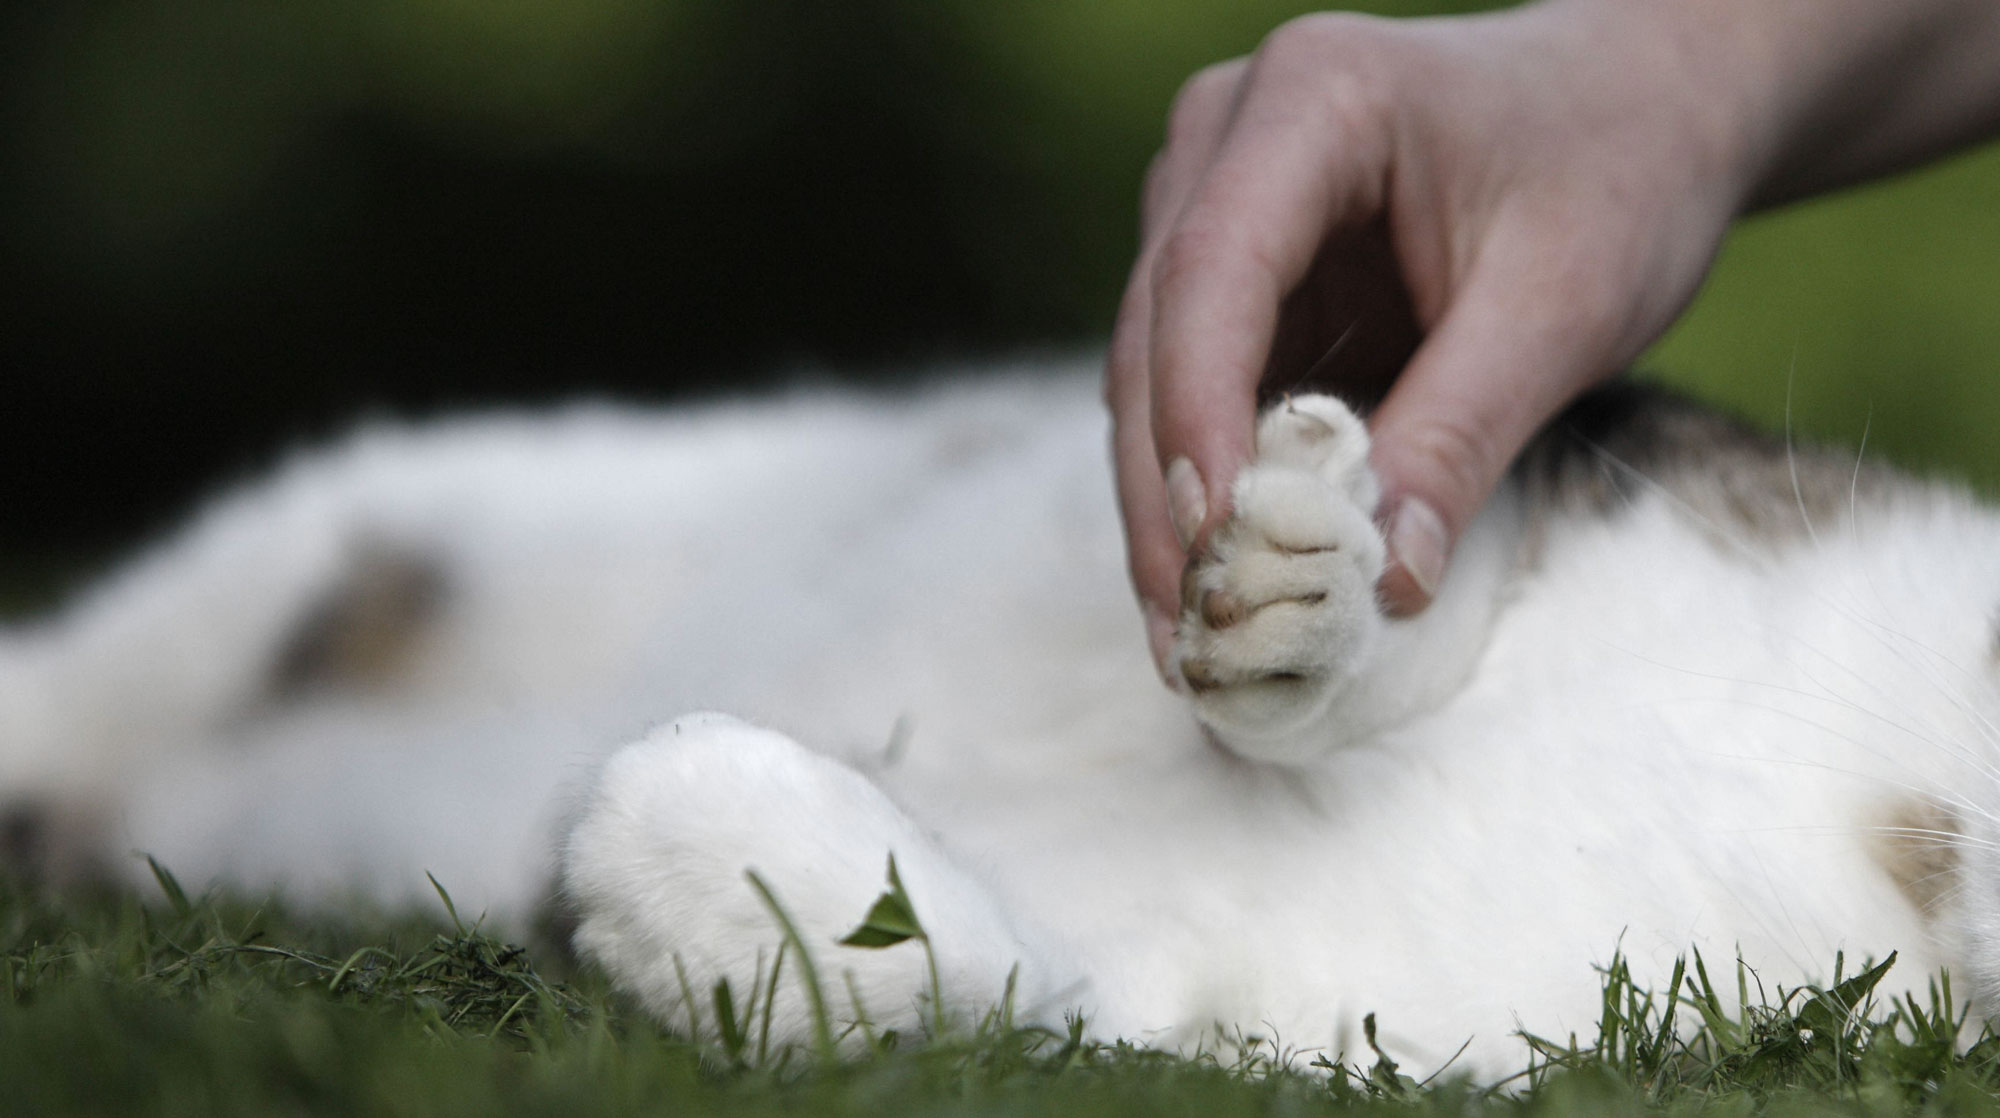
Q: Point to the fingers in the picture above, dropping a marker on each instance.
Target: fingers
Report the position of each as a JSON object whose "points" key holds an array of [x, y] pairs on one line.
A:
{"points": [[1195, 125], [1505, 358], [1259, 167], [1302, 159], [1155, 554]]}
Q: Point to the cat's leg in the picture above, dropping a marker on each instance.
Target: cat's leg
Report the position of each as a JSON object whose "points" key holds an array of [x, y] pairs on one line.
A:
{"points": [[1279, 617], [657, 868], [268, 596], [54, 814]]}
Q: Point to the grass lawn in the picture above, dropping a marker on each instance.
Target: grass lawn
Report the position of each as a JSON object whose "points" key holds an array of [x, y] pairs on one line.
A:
{"points": [[120, 1004]]}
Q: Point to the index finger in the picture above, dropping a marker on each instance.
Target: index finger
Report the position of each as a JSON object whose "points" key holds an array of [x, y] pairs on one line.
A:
{"points": [[1284, 180], [1152, 550]]}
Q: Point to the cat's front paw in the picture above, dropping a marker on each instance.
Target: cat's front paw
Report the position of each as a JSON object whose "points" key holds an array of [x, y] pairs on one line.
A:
{"points": [[1278, 613]]}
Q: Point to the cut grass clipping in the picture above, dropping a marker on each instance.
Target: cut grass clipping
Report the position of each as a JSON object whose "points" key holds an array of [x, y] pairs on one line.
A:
{"points": [[212, 1005]]}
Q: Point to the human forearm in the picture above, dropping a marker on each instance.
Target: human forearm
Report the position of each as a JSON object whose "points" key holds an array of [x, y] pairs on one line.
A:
{"points": [[1820, 94]]}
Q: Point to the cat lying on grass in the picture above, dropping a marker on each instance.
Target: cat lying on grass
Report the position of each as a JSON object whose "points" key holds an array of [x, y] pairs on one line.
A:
{"points": [[1684, 688]]}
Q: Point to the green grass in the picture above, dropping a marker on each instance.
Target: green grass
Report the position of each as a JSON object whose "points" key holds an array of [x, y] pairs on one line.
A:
{"points": [[114, 1003]]}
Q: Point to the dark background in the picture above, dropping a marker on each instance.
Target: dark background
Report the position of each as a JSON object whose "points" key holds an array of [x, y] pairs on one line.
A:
{"points": [[230, 226]]}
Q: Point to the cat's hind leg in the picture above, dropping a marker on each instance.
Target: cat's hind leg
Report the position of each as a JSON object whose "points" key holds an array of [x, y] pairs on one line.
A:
{"points": [[657, 869], [1279, 615], [270, 594]]}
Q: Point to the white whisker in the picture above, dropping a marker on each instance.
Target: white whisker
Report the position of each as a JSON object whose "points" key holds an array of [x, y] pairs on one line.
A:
{"points": [[1791, 455]]}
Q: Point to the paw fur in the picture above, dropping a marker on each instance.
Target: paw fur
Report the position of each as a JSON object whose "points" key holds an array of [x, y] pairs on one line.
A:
{"points": [[1280, 610]]}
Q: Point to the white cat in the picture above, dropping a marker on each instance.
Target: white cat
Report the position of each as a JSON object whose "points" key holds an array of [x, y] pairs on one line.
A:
{"points": [[1682, 689]]}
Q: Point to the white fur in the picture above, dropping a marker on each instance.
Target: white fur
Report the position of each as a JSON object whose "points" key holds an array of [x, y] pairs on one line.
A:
{"points": [[659, 858], [1643, 738]]}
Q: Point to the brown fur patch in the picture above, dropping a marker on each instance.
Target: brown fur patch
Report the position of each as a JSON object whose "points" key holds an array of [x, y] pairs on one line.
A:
{"points": [[58, 843], [1736, 483], [1918, 846], [365, 630]]}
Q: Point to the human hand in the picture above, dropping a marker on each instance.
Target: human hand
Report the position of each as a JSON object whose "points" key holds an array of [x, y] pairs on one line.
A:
{"points": [[1536, 194]]}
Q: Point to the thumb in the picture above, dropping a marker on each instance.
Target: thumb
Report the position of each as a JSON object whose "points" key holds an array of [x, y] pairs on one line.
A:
{"points": [[1492, 372]]}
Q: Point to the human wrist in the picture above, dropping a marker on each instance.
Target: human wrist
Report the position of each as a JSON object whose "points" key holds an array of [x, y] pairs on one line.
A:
{"points": [[1704, 78], [1795, 97], [1885, 87]]}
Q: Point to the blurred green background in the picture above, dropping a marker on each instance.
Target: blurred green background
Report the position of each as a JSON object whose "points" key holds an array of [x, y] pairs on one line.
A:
{"points": [[229, 225]]}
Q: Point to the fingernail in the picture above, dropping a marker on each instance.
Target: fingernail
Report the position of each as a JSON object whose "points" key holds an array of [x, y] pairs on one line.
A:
{"points": [[1160, 637], [1418, 543], [1187, 500]]}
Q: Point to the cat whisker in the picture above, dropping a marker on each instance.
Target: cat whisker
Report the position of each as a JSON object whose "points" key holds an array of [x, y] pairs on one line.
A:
{"points": [[1791, 452]]}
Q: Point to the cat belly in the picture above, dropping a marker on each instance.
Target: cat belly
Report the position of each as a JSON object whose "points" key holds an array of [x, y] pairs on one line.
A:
{"points": [[1461, 876], [1446, 881]]}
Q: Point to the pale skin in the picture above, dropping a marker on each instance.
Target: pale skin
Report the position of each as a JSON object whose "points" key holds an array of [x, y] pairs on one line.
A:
{"points": [[1480, 217]]}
